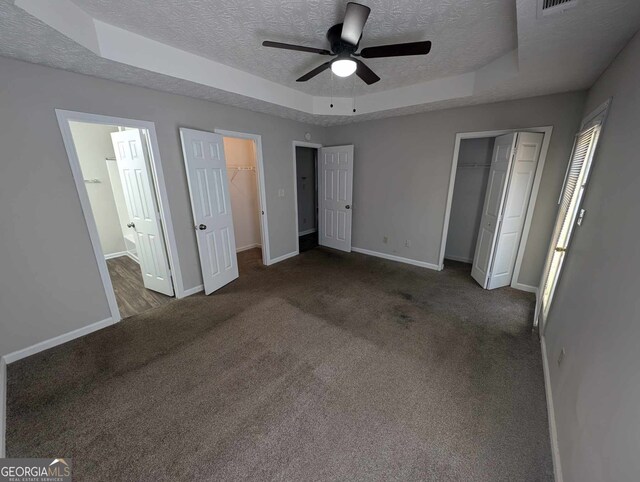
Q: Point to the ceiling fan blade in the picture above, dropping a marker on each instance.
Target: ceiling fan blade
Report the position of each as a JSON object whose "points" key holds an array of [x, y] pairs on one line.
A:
{"points": [[300, 48], [314, 72], [365, 73], [354, 19], [396, 50]]}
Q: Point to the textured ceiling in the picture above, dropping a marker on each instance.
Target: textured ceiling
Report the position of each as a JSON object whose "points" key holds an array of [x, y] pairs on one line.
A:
{"points": [[556, 54], [466, 35]]}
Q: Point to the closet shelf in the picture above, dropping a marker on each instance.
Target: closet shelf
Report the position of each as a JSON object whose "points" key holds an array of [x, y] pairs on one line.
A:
{"points": [[241, 168]]}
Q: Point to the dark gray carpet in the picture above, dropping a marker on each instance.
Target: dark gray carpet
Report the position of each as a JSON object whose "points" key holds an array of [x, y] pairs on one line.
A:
{"points": [[328, 366]]}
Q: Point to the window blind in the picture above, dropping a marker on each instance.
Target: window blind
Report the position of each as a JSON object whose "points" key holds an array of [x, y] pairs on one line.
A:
{"points": [[570, 200]]}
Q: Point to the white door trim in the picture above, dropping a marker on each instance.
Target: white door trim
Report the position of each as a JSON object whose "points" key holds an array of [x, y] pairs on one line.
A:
{"points": [[295, 183], [547, 131], [64, 116], [264, 221]]}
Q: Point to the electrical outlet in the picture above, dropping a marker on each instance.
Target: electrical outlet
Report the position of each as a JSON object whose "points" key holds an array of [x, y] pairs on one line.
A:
{"points": [[561, 356], [280, 192], [407, 243], [385, 240]]}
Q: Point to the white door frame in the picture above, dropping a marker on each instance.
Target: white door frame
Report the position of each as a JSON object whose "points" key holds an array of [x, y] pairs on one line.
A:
{"points": [[295, 182], [64, 116], [547, 131], [264, 223]]}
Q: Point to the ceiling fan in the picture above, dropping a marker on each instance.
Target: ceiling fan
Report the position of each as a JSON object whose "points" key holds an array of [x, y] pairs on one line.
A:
{"points": [[344, 39]]}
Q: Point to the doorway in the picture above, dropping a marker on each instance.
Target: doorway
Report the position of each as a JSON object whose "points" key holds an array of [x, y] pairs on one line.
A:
{"points": [[240, 158], [247, 162], [493, 187], [226, 186], [330, 194], [114, 162], [307, 197], [305, 173]]}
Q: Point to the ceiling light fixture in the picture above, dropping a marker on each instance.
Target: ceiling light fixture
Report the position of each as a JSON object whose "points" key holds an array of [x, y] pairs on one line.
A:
{"points": [[343, 67]]}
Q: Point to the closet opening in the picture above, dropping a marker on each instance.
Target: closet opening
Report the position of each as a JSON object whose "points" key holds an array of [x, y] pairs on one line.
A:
{"points": [[242, 172], [115, 168], [494, 183], [305, 170]]}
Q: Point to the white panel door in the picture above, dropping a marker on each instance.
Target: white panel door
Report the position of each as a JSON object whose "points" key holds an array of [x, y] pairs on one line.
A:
{"points": [[211, 206], [133, 165], [492, 210], [335, 195], [523, 172]]}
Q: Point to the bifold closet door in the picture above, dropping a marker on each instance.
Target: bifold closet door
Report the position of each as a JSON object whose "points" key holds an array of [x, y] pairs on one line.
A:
{"points": [[211, 206], [492, 210], [523, 172], [513, 169], [133, 165]]}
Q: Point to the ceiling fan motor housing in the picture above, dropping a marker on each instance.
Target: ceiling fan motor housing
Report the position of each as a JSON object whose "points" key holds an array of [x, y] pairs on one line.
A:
{"points": [[339, 46]]}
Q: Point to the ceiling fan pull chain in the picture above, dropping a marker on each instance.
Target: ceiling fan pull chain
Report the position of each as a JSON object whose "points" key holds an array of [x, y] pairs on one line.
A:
{"points": [[353, 93], [331, 90]]}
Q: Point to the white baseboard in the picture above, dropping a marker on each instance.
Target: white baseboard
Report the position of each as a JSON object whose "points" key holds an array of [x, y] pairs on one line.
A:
{"points": [[251, 246], [116, 255], [399, 259], [120, 254], [57, 340], [459, 258], [192, 291], [3, 406], [283, 257], [553, 431], [523, 287], [308, 231]]}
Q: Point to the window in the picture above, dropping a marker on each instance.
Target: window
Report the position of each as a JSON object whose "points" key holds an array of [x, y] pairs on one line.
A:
{"points": [[569, 211]]}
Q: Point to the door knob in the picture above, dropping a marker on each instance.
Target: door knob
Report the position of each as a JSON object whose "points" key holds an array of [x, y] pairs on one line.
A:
{"points": [[131, 225], [201, 227], [560, 250], [347, 207]]}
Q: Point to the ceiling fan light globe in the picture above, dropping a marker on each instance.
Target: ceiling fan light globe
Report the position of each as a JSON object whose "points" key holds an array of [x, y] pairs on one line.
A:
{"points": [[343, 67]]}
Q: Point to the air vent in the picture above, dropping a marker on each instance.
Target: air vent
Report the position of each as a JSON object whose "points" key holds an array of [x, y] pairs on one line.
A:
{"points": [[550, 7]]}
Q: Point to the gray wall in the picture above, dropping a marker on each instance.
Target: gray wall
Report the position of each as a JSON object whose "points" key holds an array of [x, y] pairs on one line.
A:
{"points": [[402, 167], [468, 197], [49, 281], [596, 312], [306, 174]]}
